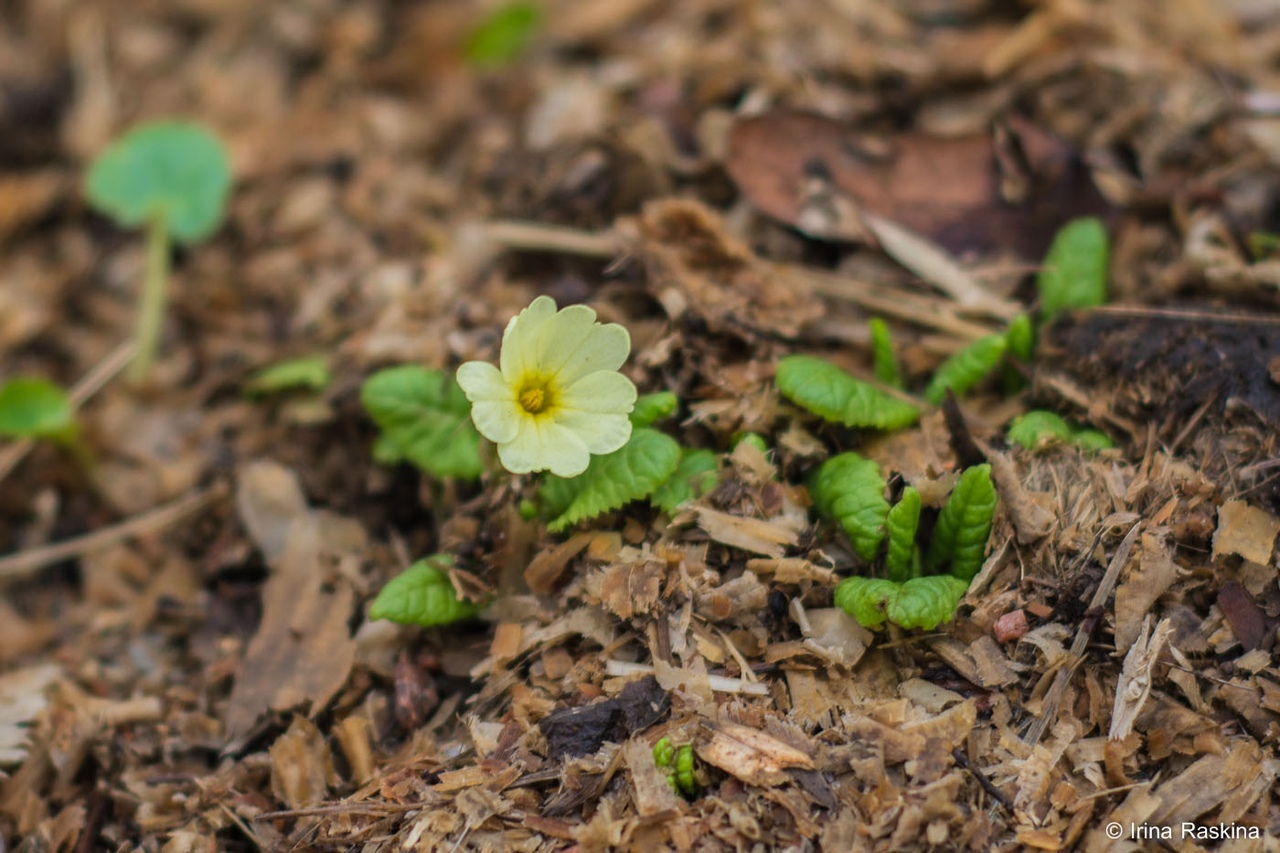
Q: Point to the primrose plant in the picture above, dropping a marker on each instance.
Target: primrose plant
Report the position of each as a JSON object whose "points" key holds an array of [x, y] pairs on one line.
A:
{"points": [[555, 406], [171, 178]]}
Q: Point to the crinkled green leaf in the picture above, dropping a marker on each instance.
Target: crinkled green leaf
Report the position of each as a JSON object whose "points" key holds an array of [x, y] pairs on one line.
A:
{"points": [[901, 522], [923, 603], [425, 418], [849, 489], [35, 408], [1020, 344], [1074, 274], [1020, 338], [174, 170], [423, 595], [631, 473], [310, 372], [966, 368], [504, 35], [830, 393], [694, 477], [1038, 427], [1092, 439], [883, 358], [653, 407], [960, 536]]}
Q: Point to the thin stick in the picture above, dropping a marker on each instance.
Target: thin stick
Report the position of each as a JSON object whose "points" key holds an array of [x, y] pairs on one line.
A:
{"points": [[25, 562], [878, 298], [91, 383]]}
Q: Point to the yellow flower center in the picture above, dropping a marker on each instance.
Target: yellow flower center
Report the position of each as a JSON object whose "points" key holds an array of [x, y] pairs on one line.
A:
{"points": [[534, 399]]}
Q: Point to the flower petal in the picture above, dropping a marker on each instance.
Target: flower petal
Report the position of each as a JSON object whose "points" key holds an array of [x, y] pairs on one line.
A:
{"points": [[604, 348], [520, 338], [603, 392], [600, 433], [542, 445], [498, 420], [480, 380]]}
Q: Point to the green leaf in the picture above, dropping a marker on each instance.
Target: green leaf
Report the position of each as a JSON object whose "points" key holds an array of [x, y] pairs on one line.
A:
{"points": [[630, 473], [1020, 344], [423, 595], [310, 372], [1020, 338], [923, 603], [754, 439], [850, 489], [694, 477], [884, 361], [966, 368], [504, 35], [173, 170], [425, 418], [834, 395], [35, 408], [960, 536], [901, 522], [1092, 439], [1074, 274], [654, 407], [1038, 427]]}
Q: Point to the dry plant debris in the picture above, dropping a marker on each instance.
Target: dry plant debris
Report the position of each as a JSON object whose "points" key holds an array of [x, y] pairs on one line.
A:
{"points": [[186, 659]]}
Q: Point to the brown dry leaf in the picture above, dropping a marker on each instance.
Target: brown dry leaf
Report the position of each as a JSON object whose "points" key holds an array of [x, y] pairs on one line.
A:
{"points": [[818, 175], [1207, 783], [1245, 530], [749, 754], [1246, 619], [303, 649], [696, 267]]}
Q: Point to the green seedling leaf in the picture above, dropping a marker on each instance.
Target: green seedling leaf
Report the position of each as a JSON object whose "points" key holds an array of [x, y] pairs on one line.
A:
{"points": [[36, 408], [834, 395], [630, 473], [883, 358], [1020, 338], [1038, 427], [966, 368], [423, 595], [754, 439], [654, 407], [850, 489], [310, 373], [1092, 439], [1020, 344], [504, 35], [169, 170], [901, 522], [923, 603], [960, 536], [677, 764], [694, 477], [1074, 274], [685, 775], [425, 418]]}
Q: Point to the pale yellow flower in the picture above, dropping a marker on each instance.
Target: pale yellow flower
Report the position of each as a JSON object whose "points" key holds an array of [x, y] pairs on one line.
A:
{"points": [[558, 397]]}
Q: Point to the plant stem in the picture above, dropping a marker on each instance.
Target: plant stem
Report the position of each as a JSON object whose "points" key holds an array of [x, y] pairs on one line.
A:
{"points": [[155, 293]]}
